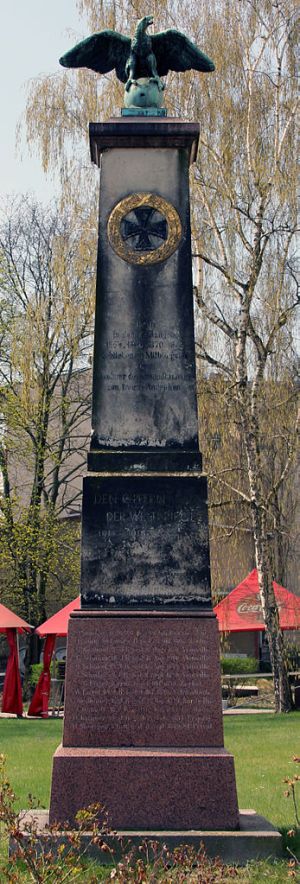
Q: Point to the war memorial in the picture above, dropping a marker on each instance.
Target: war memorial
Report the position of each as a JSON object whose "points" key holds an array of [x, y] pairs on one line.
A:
{"points": [[143, 730]]}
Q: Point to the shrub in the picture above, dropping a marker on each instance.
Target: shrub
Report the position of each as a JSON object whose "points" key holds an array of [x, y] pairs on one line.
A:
{"points": [[35, 672], [238, 665]]}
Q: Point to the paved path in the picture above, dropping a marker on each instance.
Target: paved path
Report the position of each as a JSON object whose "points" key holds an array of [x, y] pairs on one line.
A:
{"points": [[234, 711]]}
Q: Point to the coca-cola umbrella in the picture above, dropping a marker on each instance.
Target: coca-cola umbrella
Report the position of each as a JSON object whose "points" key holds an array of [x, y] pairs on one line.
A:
{"points": [[12, 624], [241, 610], [57, 625]]}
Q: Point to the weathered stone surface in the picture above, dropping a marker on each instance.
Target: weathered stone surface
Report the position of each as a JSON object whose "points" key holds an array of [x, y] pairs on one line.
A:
{"points": [[255, 839], [148, 789], [145, 542], [117, 132], [144, 460], [143, 680], [144, 391]]}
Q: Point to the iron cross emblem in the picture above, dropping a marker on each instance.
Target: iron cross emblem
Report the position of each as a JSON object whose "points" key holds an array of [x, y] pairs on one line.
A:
{"points": [[145, 228]]}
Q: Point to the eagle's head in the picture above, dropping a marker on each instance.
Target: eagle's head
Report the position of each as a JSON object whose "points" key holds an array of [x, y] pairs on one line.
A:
{"points": [[145, 22]]}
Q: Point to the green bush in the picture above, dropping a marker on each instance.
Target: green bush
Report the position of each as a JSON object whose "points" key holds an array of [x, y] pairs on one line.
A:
{"points": [[238, 665], [35, 672]]}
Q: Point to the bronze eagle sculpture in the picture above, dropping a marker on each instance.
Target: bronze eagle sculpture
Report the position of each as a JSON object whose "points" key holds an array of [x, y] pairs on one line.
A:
{"points": [[144, 56]]}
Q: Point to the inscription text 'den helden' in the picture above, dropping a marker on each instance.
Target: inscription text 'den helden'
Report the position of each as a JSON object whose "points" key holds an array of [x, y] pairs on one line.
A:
{"points": [[136, 512]]}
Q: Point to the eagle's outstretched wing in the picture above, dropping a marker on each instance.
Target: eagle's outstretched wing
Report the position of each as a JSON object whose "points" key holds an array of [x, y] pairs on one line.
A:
{"points": [[101, 52], [175, 52]]}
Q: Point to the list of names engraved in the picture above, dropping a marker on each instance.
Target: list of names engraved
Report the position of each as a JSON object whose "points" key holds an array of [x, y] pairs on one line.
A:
{"points": [[156, 362], [144, 382], [139, 700]]}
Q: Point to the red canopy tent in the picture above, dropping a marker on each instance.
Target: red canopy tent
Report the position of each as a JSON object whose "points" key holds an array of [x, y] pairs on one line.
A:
{"points": [[56, 625], [241, 609], [11, 624]]}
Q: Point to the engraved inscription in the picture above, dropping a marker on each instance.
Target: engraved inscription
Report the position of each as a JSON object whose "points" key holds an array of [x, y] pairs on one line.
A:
{"points": [[145, 545], [157, 363], [130, 702]]}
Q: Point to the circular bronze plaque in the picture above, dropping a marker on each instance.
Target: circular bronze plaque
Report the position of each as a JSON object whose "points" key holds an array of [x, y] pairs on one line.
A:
{"points": [[144, 228]]}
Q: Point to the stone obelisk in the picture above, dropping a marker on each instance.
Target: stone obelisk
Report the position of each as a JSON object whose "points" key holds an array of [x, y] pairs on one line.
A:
{"points": [[143, 731]]}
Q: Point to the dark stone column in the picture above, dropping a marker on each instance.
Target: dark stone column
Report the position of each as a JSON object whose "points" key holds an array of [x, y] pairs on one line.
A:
{"points": [[145, 540], [144, 391]]}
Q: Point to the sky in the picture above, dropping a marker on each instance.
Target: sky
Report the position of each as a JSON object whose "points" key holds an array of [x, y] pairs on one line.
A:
{"points": [[34, 36]]}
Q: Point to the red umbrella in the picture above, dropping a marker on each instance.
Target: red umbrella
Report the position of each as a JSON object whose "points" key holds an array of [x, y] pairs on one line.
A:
{"points": [[9, 620], [12, 690], [56, 625], [241, 610]]}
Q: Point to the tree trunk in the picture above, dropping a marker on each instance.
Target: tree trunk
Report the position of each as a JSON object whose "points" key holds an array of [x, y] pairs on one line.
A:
{"points": [[248, 404], [282, 691]]}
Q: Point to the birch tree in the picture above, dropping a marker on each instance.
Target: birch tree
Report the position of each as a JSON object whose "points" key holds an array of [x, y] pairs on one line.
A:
{"points": [[46, 297], [245, 195]]}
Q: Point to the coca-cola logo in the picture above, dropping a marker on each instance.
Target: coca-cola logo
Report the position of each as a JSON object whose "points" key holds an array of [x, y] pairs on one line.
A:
{"points": [[251, 607]]}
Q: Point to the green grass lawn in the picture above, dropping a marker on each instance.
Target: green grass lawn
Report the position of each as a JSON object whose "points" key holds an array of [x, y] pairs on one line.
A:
{"points": [[263, 747], [29, 747]]}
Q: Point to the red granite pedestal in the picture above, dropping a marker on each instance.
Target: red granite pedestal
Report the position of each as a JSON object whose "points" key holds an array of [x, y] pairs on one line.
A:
{"points": [[143, 730]]}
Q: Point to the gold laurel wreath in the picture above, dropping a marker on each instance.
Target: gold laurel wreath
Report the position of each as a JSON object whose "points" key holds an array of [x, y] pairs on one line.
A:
{"points": [[134, 202]]}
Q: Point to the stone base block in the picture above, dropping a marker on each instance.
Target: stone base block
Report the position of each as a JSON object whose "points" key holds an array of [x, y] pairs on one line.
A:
{"points": [[143, 679], [256, 839], [165, 788]]}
